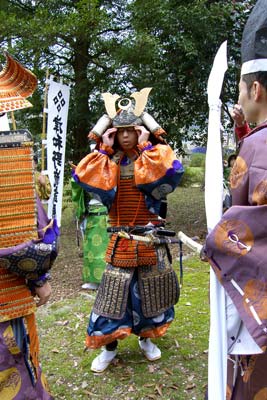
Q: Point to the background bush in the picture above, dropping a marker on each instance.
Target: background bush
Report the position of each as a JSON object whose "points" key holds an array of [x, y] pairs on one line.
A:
{"points": [[193, 176], [197, 160]]}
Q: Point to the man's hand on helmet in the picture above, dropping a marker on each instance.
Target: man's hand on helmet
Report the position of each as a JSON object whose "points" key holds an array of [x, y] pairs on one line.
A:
{"points": [[142, 132], [108, 136]]}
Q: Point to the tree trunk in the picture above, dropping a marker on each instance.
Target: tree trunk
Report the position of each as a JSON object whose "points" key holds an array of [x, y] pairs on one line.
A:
{"points": [[81, 95]]}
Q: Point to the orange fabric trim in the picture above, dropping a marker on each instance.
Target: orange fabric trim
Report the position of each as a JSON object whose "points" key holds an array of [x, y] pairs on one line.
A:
{"points": [[159, 132], [155, 332], [95, 342], [34, 341], [107, 149], [142, 145], [94, 137]]}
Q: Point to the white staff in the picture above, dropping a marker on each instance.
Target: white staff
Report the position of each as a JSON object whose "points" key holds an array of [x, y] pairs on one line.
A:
{"points": [[217, 367]]}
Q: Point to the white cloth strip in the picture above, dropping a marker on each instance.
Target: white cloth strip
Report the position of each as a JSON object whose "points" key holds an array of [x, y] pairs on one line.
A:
{"points": [[255, 315], [237, 287], [251, 66]]}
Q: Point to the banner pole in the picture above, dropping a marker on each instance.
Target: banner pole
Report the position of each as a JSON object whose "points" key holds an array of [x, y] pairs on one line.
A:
{"points": [[44, 122], [14, 125]]}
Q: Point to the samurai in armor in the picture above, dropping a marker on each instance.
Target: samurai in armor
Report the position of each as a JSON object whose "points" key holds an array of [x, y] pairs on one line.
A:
{"points": [[132, 172]]}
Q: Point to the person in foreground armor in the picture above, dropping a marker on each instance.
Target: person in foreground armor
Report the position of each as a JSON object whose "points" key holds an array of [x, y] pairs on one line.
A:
{"points": [[28, 247], [132, 172]]}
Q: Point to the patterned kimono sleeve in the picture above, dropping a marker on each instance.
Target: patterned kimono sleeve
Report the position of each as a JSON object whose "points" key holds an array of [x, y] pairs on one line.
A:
{"points": [[249, 175], [77, 196], [157, 170], [236, 247], [97, 173]]}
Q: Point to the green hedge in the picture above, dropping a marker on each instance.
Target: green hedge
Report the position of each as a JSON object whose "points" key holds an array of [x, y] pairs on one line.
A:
{"points": [[193, 176], [197, 160]]}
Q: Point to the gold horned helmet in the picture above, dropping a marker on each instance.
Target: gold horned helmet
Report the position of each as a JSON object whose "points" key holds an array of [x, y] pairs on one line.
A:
{"points": [[122, 112]]}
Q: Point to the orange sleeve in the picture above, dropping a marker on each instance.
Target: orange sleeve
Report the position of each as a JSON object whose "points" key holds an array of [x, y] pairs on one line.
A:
{"points": [[155, 163], [97, 170]]}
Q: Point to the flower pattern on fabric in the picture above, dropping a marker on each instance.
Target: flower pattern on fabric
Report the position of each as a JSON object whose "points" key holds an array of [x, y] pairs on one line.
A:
{"points": [[259, 195], [161, 191], [228, 393], [261, 395], [238, 172], [27, 264], [234, 237], [245, 278], [248, 366], [10, 383], [256, 292], [10, 341], [19, 379]]}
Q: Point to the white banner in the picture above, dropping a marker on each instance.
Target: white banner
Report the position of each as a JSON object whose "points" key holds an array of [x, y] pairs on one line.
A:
{"points": [[58, 105]]}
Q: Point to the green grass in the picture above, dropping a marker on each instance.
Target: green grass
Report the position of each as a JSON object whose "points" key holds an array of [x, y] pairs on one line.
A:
{"points": [[180, 374], [186, 211]]}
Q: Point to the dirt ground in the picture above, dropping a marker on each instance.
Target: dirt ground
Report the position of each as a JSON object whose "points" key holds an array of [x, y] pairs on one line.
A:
{"points": [[67, 271]]}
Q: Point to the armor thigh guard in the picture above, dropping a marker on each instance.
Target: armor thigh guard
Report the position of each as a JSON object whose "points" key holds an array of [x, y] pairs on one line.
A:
{"points": [[158, 285], [112, 295]]}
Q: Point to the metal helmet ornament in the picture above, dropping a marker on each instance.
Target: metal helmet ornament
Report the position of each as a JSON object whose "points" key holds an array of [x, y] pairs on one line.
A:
{"points": [[254, 40], [123, 112]]}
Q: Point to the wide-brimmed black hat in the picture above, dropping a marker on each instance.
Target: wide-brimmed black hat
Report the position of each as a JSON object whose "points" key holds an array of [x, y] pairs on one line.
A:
{"points": [[254, 40]]}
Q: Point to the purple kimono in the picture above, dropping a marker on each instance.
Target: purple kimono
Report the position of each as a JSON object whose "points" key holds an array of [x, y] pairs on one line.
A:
{"points": [[20, 377], [237, 251]]}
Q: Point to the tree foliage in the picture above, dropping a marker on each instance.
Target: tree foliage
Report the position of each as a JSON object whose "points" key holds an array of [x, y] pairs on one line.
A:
{"points": [[178, 40], [74, 39], [121, 46]]}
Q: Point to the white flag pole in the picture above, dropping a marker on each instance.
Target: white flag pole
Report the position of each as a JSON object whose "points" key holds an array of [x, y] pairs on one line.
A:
{"points": [[217, 366]]}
